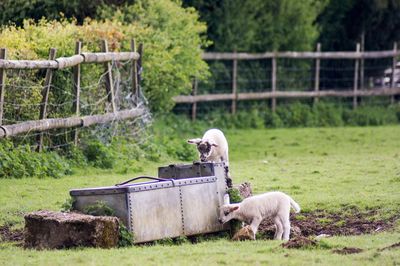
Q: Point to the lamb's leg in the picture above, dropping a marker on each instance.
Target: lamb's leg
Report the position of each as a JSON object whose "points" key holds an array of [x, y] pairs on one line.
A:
{"points": [[228, 177], [279, 229], [254, 225], [286, 226]]}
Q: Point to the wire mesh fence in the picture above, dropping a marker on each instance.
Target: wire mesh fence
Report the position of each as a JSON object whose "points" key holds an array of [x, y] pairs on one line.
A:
{"points": [[23, 102], [239, 81]]}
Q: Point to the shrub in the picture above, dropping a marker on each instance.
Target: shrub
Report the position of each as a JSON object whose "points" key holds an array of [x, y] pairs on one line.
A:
{"points": [[99, 155], [172, 37], [20, 162]]}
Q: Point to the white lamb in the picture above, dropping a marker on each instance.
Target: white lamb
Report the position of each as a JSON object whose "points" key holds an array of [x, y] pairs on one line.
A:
{"points": [[212, 147], [252, 210]]}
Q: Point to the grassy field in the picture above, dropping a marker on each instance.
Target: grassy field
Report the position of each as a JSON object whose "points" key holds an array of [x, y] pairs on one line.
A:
{"points": [[331, 169]]}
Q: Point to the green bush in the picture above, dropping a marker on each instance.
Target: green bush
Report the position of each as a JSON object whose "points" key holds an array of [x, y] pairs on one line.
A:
{"points": [[296, 114], [99, 155], [20, 162], [172, 38]]}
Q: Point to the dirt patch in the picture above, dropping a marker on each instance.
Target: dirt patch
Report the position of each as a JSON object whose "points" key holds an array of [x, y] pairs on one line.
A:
{"points": [[396, 245], [299, 242], [9, 235], [322, 223], [347, 250]]}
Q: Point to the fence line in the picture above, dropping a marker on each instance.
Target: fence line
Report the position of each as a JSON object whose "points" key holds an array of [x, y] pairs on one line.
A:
{"points": [[314, 92], [75, 61]]}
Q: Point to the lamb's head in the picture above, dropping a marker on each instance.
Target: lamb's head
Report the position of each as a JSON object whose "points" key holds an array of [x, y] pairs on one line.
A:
{"points": [[204, 147], [227, 212]]}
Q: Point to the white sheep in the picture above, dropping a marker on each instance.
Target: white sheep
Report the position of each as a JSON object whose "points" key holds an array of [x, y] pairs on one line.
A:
{"points": [[252, 210], [212, 147]]}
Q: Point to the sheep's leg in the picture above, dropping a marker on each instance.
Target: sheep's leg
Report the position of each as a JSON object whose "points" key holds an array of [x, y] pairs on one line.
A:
{"points": [[228, 176], [279, 229], [286, 226], [254, 225]]}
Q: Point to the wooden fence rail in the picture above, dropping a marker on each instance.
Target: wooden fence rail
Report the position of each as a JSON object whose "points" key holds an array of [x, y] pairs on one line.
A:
{"points": [[273, 93], [54, 64]]}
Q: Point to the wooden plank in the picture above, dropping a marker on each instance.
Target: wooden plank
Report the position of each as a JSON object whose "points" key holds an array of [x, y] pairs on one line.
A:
{"points": [[3, 55], [393, 77], [194, 93], [273, 85], [300, 55], [75, 60], [288, 94], [28, 64], [355, 81], [77, 89], [64, 62], [57, 123], [317, 72], [45, 95], [203, 98], [234, 85], [135, 83], [109, 56], [108, 78]]}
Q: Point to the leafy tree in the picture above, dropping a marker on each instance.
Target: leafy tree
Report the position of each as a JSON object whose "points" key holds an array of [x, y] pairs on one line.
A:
{"points": [[259, 25], [15, 11], [344, 22]]}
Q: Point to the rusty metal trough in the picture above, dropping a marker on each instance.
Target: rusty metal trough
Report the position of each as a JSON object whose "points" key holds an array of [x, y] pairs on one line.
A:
{"points": [[182, 201]]}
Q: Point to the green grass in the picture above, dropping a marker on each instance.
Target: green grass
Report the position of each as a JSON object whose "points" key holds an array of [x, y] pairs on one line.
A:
{"points": [[333, 169]]}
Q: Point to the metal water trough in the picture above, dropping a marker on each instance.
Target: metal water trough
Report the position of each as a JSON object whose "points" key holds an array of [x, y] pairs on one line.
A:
{"points": [[182, 201]]}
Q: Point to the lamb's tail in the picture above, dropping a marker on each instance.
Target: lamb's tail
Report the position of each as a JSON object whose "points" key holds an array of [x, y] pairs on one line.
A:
{"points": [[294, 205]]}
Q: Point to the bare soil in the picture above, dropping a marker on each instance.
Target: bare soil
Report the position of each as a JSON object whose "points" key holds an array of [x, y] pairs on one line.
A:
{"points": [[9, 235], [347, 250], [299, 242], [396, 245], [319, 222]]}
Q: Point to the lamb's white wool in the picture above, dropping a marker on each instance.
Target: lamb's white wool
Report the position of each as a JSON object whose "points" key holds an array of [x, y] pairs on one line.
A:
{"points": [[252, 210], [212, 147]]}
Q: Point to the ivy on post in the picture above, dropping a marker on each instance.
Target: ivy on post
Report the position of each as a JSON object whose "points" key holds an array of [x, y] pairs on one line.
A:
{"points": [[77, 89], [109, 79], [45, 96], [355, 82], [3, 55], [135, 83]]}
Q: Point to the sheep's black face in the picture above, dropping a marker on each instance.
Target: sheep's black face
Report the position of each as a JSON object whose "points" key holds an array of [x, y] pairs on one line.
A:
{"points": [[204, 149]]}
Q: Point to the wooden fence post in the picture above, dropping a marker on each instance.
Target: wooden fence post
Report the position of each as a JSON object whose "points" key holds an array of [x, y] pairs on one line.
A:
{"points": [[140, 68], [77, 89], [3, 55], [45, 96], [317, 73], [355, 82], [392, 78], [234, 85], [273, 86], [134, 74], [109, 79], [194, 93], [362, 49]]}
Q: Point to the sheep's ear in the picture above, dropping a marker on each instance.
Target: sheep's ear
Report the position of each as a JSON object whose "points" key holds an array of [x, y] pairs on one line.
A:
{"points": [[212, 143], [194, 141], [234, 208]]}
